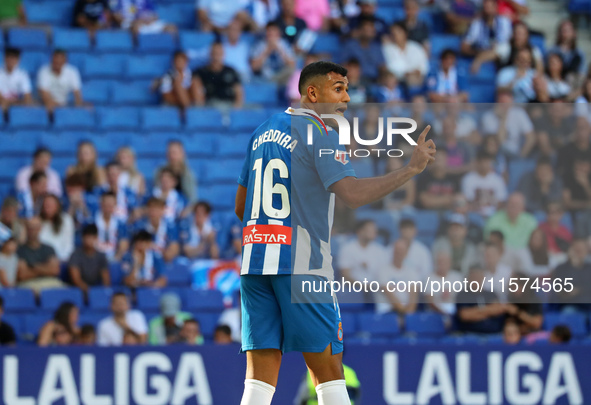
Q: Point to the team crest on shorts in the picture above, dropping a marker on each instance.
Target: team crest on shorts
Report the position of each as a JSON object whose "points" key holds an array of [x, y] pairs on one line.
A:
{"points": [[340, 332]]}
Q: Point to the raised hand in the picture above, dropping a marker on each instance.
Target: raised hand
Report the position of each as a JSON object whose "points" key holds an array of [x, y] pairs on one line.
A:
{"points": [[424, 153]]}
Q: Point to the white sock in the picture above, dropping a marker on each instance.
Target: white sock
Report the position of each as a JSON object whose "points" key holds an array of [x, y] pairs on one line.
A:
{"points": [[333, 393], [257, 393]]}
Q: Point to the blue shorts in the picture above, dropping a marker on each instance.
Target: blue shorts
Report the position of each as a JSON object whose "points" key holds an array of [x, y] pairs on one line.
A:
{"points": [[270, 320]]}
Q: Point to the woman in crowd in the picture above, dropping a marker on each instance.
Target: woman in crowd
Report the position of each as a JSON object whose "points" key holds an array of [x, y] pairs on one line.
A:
{"points": [[573, 57], [62, 329], [535, 260], [130, 176], [558, 87], [88, 167], [177, 162], [57, 230]]}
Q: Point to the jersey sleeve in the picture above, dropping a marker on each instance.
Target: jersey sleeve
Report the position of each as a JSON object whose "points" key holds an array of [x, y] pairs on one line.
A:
{"points": [[330, 159]]}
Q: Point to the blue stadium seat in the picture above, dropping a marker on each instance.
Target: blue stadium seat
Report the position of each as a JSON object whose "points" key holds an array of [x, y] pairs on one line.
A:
{"points": [[33, 324], [261, 93], [27, 38], [441, 42], [234, 145], [96, 93], [208, 323], [53, 298], [116, 274], [126, 118], [73, 118], [16, 322], [518, 168], [61, 145], [427, 222], [482, 93], [182, 16], [156, 43], [200, 145], [162, 118], [204, 301], [221, 195], [196, 40], [224, 172], [326, 43], [383, 220], [55, 13], [91, 318], [132, 94], [99, 298], [389, 13], [461, 340], [103, 66], [179, 275], [71, 39], [246, 120], [121, 138], [113, 41], [577, 322], [425, 324], [18, 299], [31, 61], [148, 299], [203, 119], [579, 7], [153, 144], [21, 143], [147, 67], [28, 117], [385, 325]]}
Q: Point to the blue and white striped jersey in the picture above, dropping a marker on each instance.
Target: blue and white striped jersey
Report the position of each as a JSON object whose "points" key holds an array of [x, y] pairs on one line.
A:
{"points": [[289, 209]]}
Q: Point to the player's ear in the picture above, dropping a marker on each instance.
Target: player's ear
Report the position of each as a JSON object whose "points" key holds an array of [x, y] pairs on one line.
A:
{"points": [[312, 93]]}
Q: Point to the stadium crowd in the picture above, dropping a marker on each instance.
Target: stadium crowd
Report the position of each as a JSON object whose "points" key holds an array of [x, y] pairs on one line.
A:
{"points": [[509, 193]]}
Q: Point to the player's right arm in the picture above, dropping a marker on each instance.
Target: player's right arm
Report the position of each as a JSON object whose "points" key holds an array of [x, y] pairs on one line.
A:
{"points": [[240, 202], [357, 192]]}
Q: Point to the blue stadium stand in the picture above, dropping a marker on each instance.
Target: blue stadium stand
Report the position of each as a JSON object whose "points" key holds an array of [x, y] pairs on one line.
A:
{"points": [[31, 61], [28, 38], [178, 275], [72, 39], [106, 66], [383, 220], [390, 14], [379, 325], [265, 94], [221, 195], [246, 120], [54, 13], [123, 118], [17, 323], [18, 300], [577, 322], [96, 92], [461, 339], [441, 42], [91, 318], [113, 41], [133, 95], [425, 325], [51, 299], [147, 66], [33, 323], [67, 118], [326, 43], [99, 298], [156, 43], [349, 321], [204, 300], [153, 145], [200, 145], [162, 118], [203, 119], [21, 144], [234, 145], [148, 299], [482, 93], [226, 172], [183, 17], [195, 40], [208, 322], [28, 118]]}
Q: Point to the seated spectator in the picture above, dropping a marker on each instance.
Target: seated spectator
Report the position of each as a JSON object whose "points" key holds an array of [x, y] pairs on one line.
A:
{"points": [[140, 17], [41, 162], [479, 311], [491, 145], [190, 333], [57, 80], [418, 256], [112, 233], [291, 27], [89, 267], [525, 306], [484, 189], [459, 14], [143, 265], [30, 200], [216, 15], [514, 222], [62, 329], [78, 202], [272, 57], [459, 152], [511, 124], [518, 78], [237, 50], [9, 219], [402, 199], [367, 11], [436, 187], [12, 14], [126, 199], [387, 90], [8, 262], [124, 320], [406, 59], [7, 335], [362, 257], [572, 56], [535, 260], [92, 15], [487, 32], [57, 228], [130, 176], [397, 272], [315, 13], [87, 335], [444, 301], [416, 28], [261, 12], [366, 49], [177, 161], [511, 332], [560, 334], [176, 85], [217, 84], [166, 328], [198, 237], [558, 87], [447, 84], [495, 269], [175, 202], [15, 85], [222, 335], [553, 129], [38, 266], [87, 167], [462, 251], [541, 186], [576, 268], [579, 148], [558, 236], [357, 86], [577, 189]]}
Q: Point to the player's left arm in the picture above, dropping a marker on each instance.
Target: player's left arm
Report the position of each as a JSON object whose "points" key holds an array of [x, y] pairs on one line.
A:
{"points": [[240, 202]]}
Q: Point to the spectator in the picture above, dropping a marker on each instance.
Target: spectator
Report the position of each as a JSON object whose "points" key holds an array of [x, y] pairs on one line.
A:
{"points": [[89, 267], [130, 176], [541, 186], [198, 236], [15, 85], [495, 269], [465, 122], [130, 338], [577, 189], [535, 260], [164, 233], [87, 335], [8, 262], [7, 335], [514, 222], [57, 230], [487, 32], [175, 202], [387, 90], [511, 332], [483, 188], [444, 301], [362, 257], [190, 332], [577, 299], [142, 265], [222, 335], [579, 149], [87, 167], [290, 26], [479, 311], [525, 306], [30, 200], [166, 328], [402, 199], [558, 87], [237, 50], [9, 219], [462, 251], [216, 15], [416, 28], [558, 236], [176, 85], [177, 161], [78, 201], [511, 124], [140, 17], [55, 82], [406, 59], [572, 56], [436, 187], [458, 151], [38, 266], [124, 320], [272, 57], [417, 256], [92, 15], [366, 49], [112, 233], [447, 84], [41, 162], [402, 302], [315, 13], [367, 11], [357, 86], [63, 329], [126, 206], [518, 78], [553, 129], [560, 334], [459, 14]]}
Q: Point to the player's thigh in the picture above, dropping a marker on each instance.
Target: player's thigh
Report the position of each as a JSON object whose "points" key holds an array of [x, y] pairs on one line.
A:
{"points": [[325, 366]]}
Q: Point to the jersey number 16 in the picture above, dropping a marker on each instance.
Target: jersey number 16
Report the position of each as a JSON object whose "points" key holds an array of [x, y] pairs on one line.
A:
{"points": [[265, 189]]}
